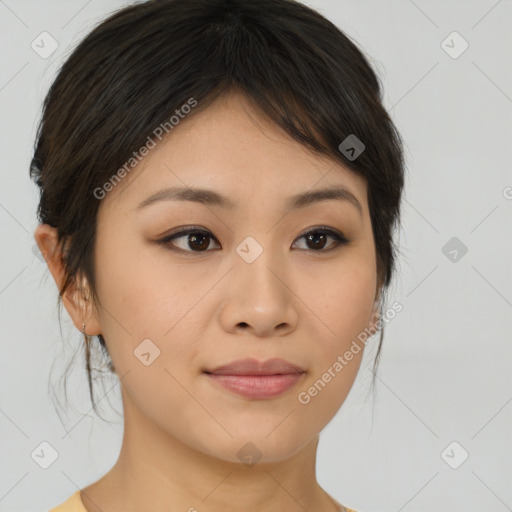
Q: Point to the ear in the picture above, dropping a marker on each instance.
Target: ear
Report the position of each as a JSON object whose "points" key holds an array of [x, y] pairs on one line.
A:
{"points": [[77, 298], [375, 315]]}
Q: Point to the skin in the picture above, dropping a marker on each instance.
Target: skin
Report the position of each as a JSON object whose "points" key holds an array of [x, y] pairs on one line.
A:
{"points": [[206, 308]]}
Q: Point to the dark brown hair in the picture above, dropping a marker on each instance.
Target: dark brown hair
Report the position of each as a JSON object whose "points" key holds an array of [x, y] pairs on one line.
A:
{"points": [[145, 61]]}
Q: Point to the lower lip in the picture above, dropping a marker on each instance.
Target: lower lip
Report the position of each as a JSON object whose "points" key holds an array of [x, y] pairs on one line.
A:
{"points": [[257, 386]]}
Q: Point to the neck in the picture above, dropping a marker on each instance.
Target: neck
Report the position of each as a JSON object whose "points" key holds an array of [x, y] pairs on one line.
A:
{"points": [[157, 472]]}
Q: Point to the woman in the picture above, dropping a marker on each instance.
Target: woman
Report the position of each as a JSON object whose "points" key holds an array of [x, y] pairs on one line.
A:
{"points": [[219, 187]]}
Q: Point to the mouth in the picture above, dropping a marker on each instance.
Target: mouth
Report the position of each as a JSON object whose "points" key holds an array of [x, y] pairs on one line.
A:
{"points": [[257, 386], [255, 380], [250, 366]]}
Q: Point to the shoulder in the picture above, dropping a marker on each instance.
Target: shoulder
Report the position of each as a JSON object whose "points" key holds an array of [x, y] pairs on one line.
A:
{"points": [[72, 504]]}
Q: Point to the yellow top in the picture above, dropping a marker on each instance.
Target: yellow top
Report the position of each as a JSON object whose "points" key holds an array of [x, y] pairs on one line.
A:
{"points": [[74, 504]]}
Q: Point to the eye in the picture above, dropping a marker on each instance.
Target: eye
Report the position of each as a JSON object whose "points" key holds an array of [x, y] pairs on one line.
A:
{"points": [[318, 236], [199, 240]]}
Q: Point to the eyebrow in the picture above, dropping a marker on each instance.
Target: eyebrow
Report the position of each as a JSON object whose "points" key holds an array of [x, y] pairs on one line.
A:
{"points": [[212, 198]]}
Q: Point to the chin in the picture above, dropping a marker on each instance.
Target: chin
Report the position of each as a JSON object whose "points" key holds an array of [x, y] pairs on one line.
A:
{"points": [[259, 448]]}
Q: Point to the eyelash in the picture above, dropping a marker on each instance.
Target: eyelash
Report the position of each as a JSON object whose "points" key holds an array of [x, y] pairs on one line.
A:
{"points": [[337, 236]]}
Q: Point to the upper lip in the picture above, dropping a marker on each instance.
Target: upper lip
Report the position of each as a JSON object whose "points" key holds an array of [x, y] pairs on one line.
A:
{"points": [[276, 366]]}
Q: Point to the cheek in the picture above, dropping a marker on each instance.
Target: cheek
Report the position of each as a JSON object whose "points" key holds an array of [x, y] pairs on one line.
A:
{"points": [[152, 320], [343, 304], [144, 321], [140, 298], [342, 301]]}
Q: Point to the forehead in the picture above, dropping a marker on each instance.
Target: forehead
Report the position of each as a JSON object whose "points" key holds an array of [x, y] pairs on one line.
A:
{"points": [[231, 148]]}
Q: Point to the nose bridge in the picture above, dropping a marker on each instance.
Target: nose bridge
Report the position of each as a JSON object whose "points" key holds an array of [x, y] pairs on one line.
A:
{"points": [[256, 264], [258, 296]]}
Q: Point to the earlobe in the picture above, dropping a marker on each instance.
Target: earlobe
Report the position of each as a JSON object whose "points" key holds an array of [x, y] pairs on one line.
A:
{"points": [[79, 304], [375, 315], [376, 311]]}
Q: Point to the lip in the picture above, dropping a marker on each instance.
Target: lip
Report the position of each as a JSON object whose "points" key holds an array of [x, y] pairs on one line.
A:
{"points": [[257, 386], [255, 380], [250, 366]]}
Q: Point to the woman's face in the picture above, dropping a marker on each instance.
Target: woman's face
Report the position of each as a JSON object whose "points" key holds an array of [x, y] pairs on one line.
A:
{"points": [[253, 286]]}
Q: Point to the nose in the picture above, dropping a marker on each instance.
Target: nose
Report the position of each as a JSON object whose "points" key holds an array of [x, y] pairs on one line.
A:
{"points": [[259, 298]]}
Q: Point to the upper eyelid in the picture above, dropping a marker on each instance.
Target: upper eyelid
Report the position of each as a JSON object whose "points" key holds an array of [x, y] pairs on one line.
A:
{"points": [[338, 235], [188, 230]]}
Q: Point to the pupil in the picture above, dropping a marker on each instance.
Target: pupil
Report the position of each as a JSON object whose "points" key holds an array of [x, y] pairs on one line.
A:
{"points": [[313, 237], [196, 237]]}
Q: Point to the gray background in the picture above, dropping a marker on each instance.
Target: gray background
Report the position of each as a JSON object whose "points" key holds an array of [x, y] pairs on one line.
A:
{"points": [[445, 372]]}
